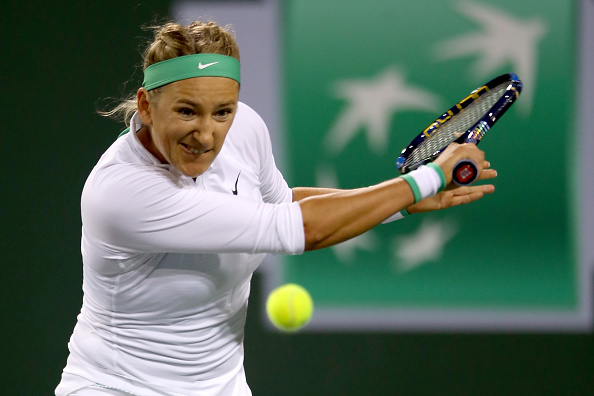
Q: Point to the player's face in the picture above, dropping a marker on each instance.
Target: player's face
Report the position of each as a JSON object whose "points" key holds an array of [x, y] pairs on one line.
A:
{"points": [[189, 121]]}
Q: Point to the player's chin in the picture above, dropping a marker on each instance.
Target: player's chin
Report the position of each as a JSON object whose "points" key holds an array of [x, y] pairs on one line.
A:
{"points": [[195, 165], [193, 168]]}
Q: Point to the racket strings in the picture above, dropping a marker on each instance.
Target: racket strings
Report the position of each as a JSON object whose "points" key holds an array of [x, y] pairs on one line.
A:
{"points": [[455, 127]]}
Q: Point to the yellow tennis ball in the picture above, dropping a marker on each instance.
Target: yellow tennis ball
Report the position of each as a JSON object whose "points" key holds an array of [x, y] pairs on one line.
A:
{"points": [[289, 307]]}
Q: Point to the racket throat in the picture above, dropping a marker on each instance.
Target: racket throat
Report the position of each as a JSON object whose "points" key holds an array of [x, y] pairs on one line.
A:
{"points": [[476, 134]]}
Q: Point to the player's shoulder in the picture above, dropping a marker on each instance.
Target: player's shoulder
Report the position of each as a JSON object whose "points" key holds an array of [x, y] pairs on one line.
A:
{"points": [[247, 117], [246, 111], [124, 166], [247, 139]]}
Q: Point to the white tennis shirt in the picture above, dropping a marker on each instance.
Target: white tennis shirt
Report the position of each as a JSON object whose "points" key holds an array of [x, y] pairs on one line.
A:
{"points": [[167, 264]]}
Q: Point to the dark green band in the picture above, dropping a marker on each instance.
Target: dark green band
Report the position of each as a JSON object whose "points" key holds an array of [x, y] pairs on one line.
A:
{"points": [[414, 187], [190, 66]]}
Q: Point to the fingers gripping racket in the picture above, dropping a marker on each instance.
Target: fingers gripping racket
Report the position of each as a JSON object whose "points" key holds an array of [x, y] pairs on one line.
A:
{"points": [[466, 122]]}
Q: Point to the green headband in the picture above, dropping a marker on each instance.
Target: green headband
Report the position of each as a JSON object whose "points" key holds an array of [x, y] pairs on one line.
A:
{"points": [[189, 66]]}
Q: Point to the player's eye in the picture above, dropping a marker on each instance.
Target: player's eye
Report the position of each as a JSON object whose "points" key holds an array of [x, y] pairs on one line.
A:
{"points": [[223, 114], [185, 111]]}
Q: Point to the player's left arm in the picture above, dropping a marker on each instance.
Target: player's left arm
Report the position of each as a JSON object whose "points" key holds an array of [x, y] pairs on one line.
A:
{"points": [[300, 193], [454, 195]]}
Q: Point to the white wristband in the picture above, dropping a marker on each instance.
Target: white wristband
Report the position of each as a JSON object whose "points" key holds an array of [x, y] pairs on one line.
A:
{"points": [[426, 181]]}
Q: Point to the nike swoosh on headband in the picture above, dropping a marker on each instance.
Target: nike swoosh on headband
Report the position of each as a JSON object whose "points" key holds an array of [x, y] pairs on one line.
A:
{"points": [[201, 66]]}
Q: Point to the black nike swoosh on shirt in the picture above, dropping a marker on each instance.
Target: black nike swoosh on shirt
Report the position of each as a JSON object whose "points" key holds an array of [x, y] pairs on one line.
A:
{"points": [[235, 190]]}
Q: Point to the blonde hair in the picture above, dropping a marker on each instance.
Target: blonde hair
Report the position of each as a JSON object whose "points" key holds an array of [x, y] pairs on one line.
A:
{"points": [[172, 40]]}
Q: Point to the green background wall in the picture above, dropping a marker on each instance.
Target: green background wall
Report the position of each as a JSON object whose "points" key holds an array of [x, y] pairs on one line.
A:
{"points": [[503, 256], [58, 62]]}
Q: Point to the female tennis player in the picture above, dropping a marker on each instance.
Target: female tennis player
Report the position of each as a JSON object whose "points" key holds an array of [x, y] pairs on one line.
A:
{"points": [[180, 211]]}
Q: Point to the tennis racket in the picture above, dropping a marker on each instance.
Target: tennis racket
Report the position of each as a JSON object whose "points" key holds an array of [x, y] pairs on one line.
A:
{"points": [[466, 122]]}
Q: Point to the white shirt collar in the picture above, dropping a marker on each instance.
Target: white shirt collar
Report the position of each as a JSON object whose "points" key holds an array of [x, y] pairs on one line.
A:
{"points": [[139, 149]]}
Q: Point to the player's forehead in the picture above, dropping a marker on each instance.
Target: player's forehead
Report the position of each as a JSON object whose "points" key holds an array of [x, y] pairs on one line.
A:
{"points": [[202, 91]]}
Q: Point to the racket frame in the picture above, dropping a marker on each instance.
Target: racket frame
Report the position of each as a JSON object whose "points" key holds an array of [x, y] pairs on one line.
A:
{"points": [[475, 133]]}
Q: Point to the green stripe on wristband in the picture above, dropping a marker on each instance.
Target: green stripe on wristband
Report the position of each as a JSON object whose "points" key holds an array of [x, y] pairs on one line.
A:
{"points": [[439, 171], [414, 187]]}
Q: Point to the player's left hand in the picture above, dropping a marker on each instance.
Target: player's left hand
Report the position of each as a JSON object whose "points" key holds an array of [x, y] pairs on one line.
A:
{"points": [[454, 195]]}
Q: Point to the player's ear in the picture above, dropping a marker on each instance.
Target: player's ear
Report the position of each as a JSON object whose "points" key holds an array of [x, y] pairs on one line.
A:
{"points": [[144, 107]]}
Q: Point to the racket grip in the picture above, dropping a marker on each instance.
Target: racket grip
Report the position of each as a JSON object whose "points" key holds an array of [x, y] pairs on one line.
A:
{"points": [[465, 172]]}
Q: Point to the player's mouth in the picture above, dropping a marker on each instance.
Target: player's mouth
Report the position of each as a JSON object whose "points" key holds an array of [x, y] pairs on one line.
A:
{"points": [[192, 150]]}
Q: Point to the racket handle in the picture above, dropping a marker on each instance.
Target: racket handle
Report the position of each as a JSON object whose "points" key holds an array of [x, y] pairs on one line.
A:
{"points": [[465, 172]]}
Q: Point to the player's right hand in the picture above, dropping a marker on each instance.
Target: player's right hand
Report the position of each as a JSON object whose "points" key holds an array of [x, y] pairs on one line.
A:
{"points": [[456, 152]]}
